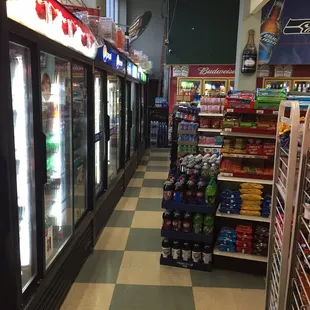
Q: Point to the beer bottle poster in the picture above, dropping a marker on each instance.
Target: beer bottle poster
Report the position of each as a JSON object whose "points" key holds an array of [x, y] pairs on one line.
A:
{"points": [[285, 32]]}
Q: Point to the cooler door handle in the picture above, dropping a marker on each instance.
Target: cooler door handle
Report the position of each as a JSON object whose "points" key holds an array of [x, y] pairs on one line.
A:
{"points": [[130, 118], [44, 157], [108, 130]]}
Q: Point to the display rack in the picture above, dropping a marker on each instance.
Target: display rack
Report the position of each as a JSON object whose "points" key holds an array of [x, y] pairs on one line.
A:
{"points": [[298, 283], [282, 208]]}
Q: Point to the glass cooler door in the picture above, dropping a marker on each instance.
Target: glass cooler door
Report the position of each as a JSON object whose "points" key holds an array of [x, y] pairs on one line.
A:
{"points": [[114, 119], [133, 130], [79, 110], [99, 133], [24, 155], [57, 124]]}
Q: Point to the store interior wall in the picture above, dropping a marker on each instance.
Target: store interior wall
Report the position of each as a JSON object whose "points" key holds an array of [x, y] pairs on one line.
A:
{"points": [[150, 42], [202, 32]]}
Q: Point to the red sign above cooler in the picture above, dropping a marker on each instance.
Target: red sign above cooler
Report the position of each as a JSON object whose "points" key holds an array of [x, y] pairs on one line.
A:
{"points": [[203, 71], [52, 20]]}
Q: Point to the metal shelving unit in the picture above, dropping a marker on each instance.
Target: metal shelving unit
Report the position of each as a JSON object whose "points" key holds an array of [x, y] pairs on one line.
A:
{"points": [[282, 209], [298, 283]]}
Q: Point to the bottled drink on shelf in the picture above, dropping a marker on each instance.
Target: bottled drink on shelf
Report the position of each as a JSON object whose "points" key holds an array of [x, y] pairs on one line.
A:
{"points": [[186, 251], [208, 224], [197, 223], [196, 253], [207, 254], [165, 248], [177, 221], [270, 32], [249, 55], [187, 222], [167, 220], [168, 190], [190, 189], [178, 190], [210, 192], [201, 187], [176, 249]]}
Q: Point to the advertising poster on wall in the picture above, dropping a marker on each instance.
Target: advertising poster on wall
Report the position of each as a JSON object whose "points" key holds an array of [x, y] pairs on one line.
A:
{"points": [[285, 32]]}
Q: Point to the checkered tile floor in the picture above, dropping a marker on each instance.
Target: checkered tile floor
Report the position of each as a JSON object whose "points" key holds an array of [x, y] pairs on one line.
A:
{"points": [[123, 273]]}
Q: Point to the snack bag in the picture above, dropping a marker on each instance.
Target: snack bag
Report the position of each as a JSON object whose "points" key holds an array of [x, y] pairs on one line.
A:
{"points": [[251, 186], [251, 197], [251, 191]]}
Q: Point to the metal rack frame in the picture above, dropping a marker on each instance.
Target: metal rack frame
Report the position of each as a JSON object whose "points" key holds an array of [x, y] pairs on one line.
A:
{"points": [[296, 272], [282, 199]]}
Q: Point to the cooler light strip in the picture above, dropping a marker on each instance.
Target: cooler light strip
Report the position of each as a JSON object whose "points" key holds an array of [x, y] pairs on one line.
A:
{"points": [[97, 129]]}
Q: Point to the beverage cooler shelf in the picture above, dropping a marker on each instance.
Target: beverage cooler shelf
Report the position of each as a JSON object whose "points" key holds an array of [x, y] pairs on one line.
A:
{"points": [[189, 207], [175, 235], [183, 264]]}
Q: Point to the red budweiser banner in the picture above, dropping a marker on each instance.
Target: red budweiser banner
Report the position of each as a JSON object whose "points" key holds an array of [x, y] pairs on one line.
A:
{"points": [[203, 71], [75, 8]]}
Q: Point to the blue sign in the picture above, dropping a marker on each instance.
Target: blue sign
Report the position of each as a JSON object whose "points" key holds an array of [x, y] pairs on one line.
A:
{"points": [[285, 32], [111, 57], [129, 68]]}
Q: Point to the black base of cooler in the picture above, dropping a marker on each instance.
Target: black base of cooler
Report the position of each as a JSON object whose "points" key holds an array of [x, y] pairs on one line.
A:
{"points": [[188, 207], [200, 238], [130, 168], [187, 265]]}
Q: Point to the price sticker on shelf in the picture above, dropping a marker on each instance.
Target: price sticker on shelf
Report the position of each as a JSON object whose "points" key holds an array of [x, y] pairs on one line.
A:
{"points": [[275, 112], [259, 111], [230, 110], [226, 174], [228, 129]]}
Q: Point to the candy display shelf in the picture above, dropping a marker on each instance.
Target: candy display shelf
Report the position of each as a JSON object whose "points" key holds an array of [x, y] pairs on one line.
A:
{"points": [[237, 255], [245, 156], [176, 235], [209, 129], [211, 114], [244, 178], [243, 217], [183, 207], [183, 264], [246, 134], [253, 111]]}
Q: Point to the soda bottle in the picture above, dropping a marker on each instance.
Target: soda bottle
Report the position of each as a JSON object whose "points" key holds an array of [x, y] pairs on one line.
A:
{"points": [[213, 171], [210, 192], [165, 248], [196, 253], [176, 249], [207, 254], [186, 251], [190, 189], [208, 224], [187, 223], [167, 220], [178, 191], [197, 223], [177, 221], [200, 194], [168, 190]]}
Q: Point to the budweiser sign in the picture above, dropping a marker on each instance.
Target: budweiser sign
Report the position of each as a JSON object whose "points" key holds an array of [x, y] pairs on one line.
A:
{"points": [[215, 71]]}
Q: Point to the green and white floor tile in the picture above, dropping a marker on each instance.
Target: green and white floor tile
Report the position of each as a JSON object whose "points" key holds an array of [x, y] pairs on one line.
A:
{"points": [[123, 272]]}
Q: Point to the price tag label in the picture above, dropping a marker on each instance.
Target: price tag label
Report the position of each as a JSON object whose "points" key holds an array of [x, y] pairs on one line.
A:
{"points": [[228, 129], [230, 110], [259, 111], [226, 174], [275, 112]]}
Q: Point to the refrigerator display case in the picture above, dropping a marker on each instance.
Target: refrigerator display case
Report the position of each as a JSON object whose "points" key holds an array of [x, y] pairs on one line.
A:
{"points": [[186, 85], [56, 131], [278, 83], [214, 87], [301, 85], [24, 156], [231, 85], [134, 113], [113, 93], [99, 134]]}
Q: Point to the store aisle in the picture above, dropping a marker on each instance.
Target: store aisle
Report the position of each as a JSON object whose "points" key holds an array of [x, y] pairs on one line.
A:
{"points": [[123, 273]]}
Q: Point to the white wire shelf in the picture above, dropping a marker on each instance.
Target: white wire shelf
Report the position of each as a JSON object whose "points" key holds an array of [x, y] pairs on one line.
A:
{"points": [[244, 180], [217, 146], [281, 191], [211, 114], [210, 130], [243, 217], [236, 255]]}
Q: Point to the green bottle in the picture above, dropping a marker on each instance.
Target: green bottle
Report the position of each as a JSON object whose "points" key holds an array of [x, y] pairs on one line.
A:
{"points": [[197, 223], [208, 224], [210, 192]]}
